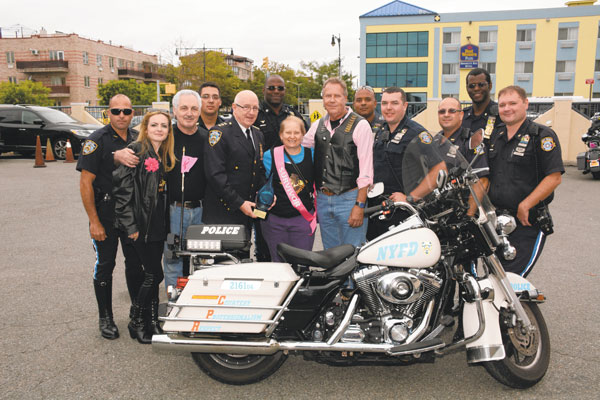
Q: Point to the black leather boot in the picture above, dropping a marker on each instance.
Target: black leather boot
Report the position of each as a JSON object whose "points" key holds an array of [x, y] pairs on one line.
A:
{"points": [[107, 326], [137, 326], [153, 323]]}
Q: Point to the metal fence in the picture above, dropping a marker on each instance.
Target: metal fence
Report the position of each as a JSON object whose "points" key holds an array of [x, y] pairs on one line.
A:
{"points": [[587, 109], [415, 108], [65, 109]]}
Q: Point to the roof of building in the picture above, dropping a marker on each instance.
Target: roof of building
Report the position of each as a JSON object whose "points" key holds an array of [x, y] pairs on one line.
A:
{"points": [[397, 8]]}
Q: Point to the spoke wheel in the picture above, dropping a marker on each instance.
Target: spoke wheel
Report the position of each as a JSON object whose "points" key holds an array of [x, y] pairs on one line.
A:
{"points": [[527, 353], [238, 369]]}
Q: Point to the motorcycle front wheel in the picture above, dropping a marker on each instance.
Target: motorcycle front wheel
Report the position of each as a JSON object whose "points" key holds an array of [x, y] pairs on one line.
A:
{"points": [[238, 369], [527, 354]]}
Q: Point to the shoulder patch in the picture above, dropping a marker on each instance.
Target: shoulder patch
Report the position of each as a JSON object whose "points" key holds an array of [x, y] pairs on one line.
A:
{"points": [[214, 136], [425, 137], [89, 147], [548, 144]]}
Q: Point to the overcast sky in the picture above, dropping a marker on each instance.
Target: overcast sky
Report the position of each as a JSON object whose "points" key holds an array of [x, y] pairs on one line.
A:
{"points": [[286, 31]]}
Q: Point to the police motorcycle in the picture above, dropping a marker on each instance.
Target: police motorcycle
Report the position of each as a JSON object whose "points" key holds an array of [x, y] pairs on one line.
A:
{"points": [[381, 304], [589, 161]]}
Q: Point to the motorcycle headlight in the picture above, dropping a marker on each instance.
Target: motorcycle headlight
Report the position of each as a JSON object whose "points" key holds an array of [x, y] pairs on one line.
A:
{"points": [[506, 224]]}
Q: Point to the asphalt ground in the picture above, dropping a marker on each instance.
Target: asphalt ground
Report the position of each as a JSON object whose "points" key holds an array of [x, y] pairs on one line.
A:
{"points": [[50, 346]]}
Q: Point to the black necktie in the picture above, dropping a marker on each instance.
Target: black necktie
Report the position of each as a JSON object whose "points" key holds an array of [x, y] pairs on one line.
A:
{"points": [[249, 138]]}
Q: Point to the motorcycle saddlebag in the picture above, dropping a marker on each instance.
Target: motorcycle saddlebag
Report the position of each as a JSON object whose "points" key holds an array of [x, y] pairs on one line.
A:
{"points": [[217, 238], [581, 161]]}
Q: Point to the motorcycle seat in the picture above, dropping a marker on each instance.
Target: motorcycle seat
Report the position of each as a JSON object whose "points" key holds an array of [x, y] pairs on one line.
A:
{"points": [[326, 259]]}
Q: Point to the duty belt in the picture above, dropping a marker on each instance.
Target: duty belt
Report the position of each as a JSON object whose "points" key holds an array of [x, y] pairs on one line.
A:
{"points": [[189, 204]]}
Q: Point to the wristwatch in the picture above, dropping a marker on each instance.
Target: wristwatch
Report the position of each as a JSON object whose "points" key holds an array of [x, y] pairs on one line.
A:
{"points": [[410, 199], [360, 204]]}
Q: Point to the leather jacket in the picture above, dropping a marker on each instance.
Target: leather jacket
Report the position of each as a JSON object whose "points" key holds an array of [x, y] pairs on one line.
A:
{"points": [[135, 191]]}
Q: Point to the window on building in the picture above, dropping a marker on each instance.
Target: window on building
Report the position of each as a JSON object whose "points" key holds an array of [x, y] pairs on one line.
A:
{"points": [[12, 79], [412, 74], [100, 81], [563, 93], [524, 67], [57, 55], [568, 33], [597, 67], [86, 81], [57, 81], [397, 44], [449, 69], [488, 36], [99, 60], [111, 62], [451, 37], [489, 67], [10, 57], [121, 63], [86, 58], [525, 35], [565, 66]]}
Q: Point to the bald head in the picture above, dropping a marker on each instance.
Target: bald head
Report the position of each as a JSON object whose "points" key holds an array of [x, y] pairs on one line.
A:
{"points": [[121, 99], [245, 108]]}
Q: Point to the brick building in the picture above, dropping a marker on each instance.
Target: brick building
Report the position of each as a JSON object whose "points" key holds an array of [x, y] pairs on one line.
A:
{"points": [[72, 66], [241, 66]]}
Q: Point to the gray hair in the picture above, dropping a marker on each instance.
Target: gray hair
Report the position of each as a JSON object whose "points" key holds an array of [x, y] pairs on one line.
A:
{"points": [[335, 81], [185, 92]]}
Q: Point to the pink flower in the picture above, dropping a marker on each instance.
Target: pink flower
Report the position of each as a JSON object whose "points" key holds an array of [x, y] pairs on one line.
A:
{"points": [[151, 164]]}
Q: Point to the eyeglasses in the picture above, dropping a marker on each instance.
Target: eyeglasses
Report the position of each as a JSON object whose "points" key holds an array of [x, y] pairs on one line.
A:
{"points": [[443, 111], [480, 84], [280, 88], [117, 111], [247, 108], [208, 96]]}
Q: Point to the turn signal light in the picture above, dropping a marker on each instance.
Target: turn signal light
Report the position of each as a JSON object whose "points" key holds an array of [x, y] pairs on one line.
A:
{"points": [[181, 282]]}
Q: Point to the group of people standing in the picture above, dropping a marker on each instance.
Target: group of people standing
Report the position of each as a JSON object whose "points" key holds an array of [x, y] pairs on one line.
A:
{"points": [[131, 187]]}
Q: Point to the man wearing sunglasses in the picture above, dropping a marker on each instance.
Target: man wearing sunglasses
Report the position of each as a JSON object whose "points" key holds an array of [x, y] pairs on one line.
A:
{"points": [[364, 105], [273, 111], [96, 165], [483, 114], [233, 165]]}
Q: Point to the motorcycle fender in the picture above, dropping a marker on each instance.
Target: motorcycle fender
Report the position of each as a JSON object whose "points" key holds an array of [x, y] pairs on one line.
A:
{"points": [[522, 286], [489, 346]]}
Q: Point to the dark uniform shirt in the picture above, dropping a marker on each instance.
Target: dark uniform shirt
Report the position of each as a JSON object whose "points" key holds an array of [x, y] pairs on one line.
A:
{"points": [[234, 172], [518, 165], [97, 156], [462, 139], [377, 122], [268, 122], [202, 125], [388, 152], [487, 120], [195, 181]]}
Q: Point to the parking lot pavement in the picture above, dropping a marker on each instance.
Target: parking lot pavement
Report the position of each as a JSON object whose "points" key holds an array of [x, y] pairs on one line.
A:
{"points": [[50, 346]]}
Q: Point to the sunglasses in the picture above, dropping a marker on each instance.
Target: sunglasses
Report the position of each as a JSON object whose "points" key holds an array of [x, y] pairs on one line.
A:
{"points": [[480, 84], [117, 111], [448, 111], [280, 88]]}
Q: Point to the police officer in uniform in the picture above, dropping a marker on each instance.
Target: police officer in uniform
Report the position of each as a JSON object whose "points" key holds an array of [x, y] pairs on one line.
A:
{"points": [[364, 105], [483, 114], [233, 165], [273, 111], [209, 109], [525, 168], [96, 165], [389, 146]]}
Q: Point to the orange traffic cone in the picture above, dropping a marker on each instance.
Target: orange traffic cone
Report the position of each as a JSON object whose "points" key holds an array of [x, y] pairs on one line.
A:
{"points": [[49, 152], [69, 158], [39, 159]]}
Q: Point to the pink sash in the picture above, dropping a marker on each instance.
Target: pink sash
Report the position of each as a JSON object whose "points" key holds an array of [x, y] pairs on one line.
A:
{"points": [[289, 190]]}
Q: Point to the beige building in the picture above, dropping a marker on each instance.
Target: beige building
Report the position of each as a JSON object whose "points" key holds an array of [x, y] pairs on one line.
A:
{"points": [[72, 66], [241, 66]]}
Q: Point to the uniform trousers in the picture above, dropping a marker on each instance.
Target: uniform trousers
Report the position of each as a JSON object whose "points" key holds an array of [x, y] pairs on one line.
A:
{"points": [[529, 242]]}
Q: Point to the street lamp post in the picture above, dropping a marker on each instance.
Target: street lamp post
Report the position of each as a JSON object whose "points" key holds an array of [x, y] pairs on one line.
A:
{"points": [[298, 86], [339, 40]]}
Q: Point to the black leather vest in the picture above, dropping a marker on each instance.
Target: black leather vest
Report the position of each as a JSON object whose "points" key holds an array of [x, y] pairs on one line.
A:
{"points": [[336, 160]]}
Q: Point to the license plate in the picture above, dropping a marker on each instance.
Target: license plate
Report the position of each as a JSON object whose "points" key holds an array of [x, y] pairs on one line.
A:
{"points": [[594, 163]]}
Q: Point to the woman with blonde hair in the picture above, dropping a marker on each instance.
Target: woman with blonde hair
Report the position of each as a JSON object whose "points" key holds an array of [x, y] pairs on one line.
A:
{"points": [[141, 210]]}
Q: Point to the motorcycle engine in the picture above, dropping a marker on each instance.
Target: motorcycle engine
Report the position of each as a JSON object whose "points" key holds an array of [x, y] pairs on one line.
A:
{"points": [[397, 296]]}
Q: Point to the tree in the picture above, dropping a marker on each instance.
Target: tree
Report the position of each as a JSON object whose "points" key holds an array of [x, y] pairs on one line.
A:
{"points": [[260, 75], [25, 92], [138, 93], [319, 73]]}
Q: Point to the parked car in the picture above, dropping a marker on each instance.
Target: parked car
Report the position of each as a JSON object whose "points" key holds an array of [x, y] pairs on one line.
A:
{"points": [[20, 125]]}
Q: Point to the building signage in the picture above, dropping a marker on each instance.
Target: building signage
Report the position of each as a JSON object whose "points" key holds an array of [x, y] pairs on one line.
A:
{"points": [[469, 56]]}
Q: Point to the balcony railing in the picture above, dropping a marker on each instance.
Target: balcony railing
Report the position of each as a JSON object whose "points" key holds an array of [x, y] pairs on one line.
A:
{"points": [[131, 73], [59, 91], [153, 76], [43, 66]]}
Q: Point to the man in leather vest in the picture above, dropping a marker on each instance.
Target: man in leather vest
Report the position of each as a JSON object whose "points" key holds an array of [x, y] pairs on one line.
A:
{"points": [[343, 143]]}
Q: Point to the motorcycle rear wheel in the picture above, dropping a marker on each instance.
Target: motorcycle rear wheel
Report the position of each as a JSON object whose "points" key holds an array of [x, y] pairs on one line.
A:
{"points": [[596, 175], [238, 369], [527, 355]]}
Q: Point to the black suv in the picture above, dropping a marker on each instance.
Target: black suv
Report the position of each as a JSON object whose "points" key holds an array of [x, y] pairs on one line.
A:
{"points": [[19, 126]]}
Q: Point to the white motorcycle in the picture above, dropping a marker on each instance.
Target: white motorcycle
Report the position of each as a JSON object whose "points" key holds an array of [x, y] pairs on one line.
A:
{"points": [[241, 320]]}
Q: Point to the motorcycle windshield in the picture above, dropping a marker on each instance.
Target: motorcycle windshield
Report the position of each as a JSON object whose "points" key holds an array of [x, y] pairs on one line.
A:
{"points": [[425, 157]]}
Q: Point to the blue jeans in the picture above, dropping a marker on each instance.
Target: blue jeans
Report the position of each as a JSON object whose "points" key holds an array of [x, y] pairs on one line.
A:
{"points": [[191, 216], [333, 213]]}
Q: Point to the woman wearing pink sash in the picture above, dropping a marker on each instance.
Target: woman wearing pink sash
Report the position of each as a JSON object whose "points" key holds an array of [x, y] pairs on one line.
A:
{"points": [[292, 219]]}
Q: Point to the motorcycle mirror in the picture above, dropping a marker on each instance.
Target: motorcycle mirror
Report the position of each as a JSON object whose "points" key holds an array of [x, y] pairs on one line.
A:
{"points": [[442, 178], [376, 190]]}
